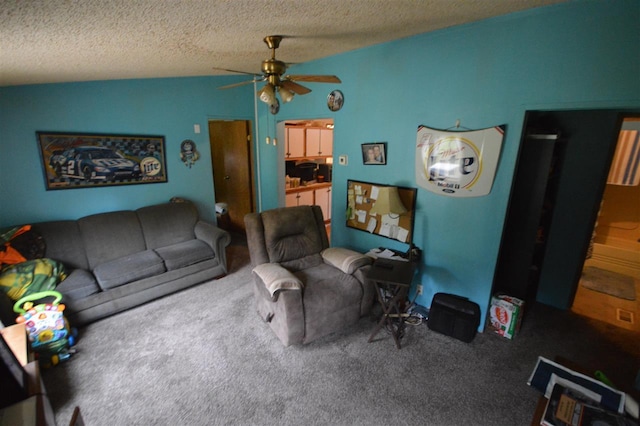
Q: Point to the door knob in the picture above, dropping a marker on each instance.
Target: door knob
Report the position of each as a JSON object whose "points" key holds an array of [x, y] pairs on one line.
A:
{"points": [[227, 177]]}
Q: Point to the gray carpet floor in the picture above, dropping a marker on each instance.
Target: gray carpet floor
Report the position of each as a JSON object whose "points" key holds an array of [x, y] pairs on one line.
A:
{"points": [[203, 357]]}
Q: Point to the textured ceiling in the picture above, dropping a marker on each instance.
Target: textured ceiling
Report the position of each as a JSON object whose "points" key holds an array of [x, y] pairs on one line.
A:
{"points": [[45, 41]]}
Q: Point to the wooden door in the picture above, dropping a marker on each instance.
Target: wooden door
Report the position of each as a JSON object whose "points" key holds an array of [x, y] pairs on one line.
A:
{"points": [[232, 163], [521, 240]]}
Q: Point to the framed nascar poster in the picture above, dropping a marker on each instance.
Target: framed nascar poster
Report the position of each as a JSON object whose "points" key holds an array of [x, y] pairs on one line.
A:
{"points": [[460, 163], [81, 160]]}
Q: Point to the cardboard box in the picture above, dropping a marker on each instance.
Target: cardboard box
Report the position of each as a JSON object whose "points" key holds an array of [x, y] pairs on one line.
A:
{"points": [[505, 315]]}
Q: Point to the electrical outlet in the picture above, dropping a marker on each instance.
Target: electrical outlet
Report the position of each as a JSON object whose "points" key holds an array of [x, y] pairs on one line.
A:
{"points": [[419, 289]]}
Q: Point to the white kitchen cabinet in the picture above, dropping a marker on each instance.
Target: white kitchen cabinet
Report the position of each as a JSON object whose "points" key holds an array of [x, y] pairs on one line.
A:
{"points": [[308, 142], [326, 142], [323, 199], [302, 198], [295, 142], [319, 142]]}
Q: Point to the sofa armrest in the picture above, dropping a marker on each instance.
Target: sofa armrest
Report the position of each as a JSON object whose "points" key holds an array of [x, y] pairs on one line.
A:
{"points": [[275, 278], [217, 238], [348, 261]]}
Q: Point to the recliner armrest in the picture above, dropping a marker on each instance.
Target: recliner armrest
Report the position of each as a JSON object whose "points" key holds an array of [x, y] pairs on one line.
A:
{"points": [[348, 261], [276, 278]]}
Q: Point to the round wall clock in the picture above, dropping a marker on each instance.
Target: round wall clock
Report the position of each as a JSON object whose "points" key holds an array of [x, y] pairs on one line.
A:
{"points": [[335, 100]]}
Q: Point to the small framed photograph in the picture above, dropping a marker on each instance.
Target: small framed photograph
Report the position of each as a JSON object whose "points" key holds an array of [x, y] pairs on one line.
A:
{"points": [[335, 100], [374, 153]]}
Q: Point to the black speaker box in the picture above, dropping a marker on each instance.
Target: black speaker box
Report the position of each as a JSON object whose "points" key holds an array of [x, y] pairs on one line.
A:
{"points": [[454, 316]]}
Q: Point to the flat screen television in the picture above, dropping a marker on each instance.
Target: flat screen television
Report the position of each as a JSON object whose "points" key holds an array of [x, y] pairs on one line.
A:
{"points": [[385, 210]]}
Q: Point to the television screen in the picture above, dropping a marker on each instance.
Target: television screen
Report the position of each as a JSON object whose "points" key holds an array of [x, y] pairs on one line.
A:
{"points": [[380, 209]]}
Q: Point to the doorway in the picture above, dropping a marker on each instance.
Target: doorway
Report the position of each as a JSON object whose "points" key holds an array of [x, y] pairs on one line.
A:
{"points": [[585, 159], [306, 162], [609, 287], [233, 177]]}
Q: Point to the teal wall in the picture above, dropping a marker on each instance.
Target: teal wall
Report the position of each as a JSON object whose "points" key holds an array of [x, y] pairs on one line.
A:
{"points": [[577, 55], [168, 107]]}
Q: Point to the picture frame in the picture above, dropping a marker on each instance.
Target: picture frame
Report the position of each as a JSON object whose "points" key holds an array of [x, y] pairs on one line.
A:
{"points": [[374, 153], [88, 160], [335, 100]]}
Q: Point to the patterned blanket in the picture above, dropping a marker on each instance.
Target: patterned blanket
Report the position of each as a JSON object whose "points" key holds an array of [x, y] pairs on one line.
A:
{"points": [[29, 277]]}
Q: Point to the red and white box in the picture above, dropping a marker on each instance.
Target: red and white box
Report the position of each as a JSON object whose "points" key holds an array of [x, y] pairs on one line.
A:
{"points": [[505, 315]]}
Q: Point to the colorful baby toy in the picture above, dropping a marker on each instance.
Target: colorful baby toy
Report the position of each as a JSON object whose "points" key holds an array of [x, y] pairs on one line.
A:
{"points": [[49, 333]]}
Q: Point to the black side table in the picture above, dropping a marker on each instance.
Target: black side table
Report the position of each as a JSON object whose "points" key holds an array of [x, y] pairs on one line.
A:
{"points": [[394, 278]]}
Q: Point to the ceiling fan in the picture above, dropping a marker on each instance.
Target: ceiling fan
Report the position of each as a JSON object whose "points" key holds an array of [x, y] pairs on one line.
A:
{"points": [[272, 72]]}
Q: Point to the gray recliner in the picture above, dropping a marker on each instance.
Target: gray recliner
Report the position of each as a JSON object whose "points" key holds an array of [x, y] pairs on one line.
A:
{"points": [[303, 288]]}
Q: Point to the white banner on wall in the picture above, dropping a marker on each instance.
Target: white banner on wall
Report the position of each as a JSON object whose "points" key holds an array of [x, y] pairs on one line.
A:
{"points": [[460, 163]]}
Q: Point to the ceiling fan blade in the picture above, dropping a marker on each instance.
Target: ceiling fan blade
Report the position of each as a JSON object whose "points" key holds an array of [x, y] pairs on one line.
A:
{"points": [[315, 78], [294, 87], [229, 86], [236, 71]]}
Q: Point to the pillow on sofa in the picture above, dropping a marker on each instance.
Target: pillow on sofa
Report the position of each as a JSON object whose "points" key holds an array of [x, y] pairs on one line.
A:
{"points": [[184, 254], [32, 276], [129, 268]]}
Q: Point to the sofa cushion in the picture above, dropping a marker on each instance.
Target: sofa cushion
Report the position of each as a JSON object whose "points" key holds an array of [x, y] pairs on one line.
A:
{"points": [[109, 236], [167, 224], [179, 255], [128, 268], [77, 285]]}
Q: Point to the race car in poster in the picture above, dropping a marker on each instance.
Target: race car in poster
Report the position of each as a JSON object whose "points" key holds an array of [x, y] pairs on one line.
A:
{"points": [[93, 163]]}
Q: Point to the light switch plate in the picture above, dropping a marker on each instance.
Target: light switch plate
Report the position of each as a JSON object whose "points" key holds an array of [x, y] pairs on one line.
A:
{"points": [[343, 160]]}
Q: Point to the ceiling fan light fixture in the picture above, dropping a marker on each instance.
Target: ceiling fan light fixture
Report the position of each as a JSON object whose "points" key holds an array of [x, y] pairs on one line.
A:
{"points": [[267, 94], [273, 74], [285, 94]]}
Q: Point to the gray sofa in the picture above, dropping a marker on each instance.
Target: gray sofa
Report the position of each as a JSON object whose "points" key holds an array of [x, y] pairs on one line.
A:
{"points": [[121, 259]]}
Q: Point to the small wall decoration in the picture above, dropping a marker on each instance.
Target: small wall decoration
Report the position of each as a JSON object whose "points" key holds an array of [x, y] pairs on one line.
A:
{"points": [[374, 153], [274, 107], [81, 160], [188, 152], [335, 100], [458, 163]]}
